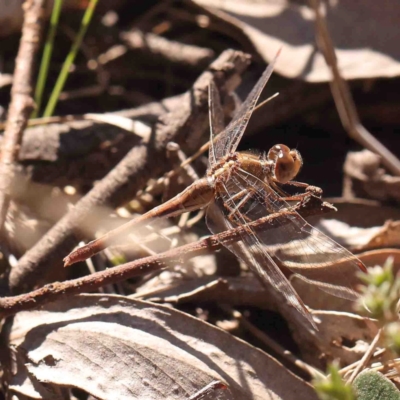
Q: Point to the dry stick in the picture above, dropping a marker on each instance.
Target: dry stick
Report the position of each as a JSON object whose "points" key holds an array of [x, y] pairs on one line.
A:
{"points": [[22, 103], [364, 360], [11, 305], [168, 50], [184, 125], [152, 110], [343, 100]]}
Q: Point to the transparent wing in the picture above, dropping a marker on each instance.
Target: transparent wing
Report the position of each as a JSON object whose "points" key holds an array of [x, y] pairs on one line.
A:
{"points": [[251, 251], [228, 140], [216, 116], [291, 240]]}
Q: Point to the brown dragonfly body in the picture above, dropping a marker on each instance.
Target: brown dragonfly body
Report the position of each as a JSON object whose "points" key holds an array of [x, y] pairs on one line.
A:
{"points": [[202, 192], [240, 188]]}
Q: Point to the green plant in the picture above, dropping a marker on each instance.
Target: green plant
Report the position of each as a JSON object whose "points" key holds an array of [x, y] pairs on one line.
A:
{"points": [[332, 387], [62, 77], [381, 293], [48, 49]]}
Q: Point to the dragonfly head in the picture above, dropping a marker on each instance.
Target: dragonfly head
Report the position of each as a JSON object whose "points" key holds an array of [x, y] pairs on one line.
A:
{"points": [[286, 163]]}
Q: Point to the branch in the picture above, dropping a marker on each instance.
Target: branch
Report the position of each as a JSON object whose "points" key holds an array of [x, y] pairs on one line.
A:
{"points": [[22, 103], [167, 50], [11, 305], [185, 125]]}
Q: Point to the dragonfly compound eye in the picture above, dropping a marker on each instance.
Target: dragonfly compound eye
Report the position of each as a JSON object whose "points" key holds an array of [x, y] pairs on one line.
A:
{"points": [[287, 164], [276, 152]]}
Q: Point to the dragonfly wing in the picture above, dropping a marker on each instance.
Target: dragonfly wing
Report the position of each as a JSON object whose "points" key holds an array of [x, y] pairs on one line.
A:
{"points": [[250, 250], [216, 116], [229, 139], [292, 241]]}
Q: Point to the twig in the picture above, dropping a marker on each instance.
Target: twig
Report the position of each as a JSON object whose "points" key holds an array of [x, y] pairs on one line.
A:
{"points": [[150, 111], [344, 101], [184, 125], [168, 50], [365, 358], [22, 103], [345, 371], [11, 305]]}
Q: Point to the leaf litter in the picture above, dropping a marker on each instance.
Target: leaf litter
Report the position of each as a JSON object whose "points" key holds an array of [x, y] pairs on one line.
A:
{"points": [[116, 347], [113, 347], [366, 32]]}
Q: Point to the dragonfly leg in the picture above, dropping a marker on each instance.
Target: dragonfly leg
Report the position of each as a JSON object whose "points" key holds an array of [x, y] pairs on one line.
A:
{"points": [[233, 217], [238, 195], [308, 188], [235, 197], [297, 197], [298, 184], [240, 204]]}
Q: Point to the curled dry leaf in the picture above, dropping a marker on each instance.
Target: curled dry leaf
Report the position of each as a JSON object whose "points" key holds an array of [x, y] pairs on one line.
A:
{"points": [[365, 31], [114, 347], [364, 177], [387, 236]]}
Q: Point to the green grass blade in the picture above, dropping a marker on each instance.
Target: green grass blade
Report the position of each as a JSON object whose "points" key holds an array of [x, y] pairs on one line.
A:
{"points": [[62, 77], [48, 49]]}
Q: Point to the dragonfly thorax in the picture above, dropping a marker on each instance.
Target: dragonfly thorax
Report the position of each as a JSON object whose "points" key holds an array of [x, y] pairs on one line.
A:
{"points": [[280, 165], [221, 171]]}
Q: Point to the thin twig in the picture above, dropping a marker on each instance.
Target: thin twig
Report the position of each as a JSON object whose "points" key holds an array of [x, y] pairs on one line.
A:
{"points": [[345, 371], [11, 305], [344, 101], [364, 360], [184, 125], [168, 50], [22, 103]]}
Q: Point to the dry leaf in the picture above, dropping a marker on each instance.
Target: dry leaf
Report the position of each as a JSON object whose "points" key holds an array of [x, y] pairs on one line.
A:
{"points": [[387, 236], [365, 31], [364, 177], [113, 347]]}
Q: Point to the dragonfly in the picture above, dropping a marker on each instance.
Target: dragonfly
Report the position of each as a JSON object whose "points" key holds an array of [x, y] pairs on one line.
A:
{"points": [[240, 188]]}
